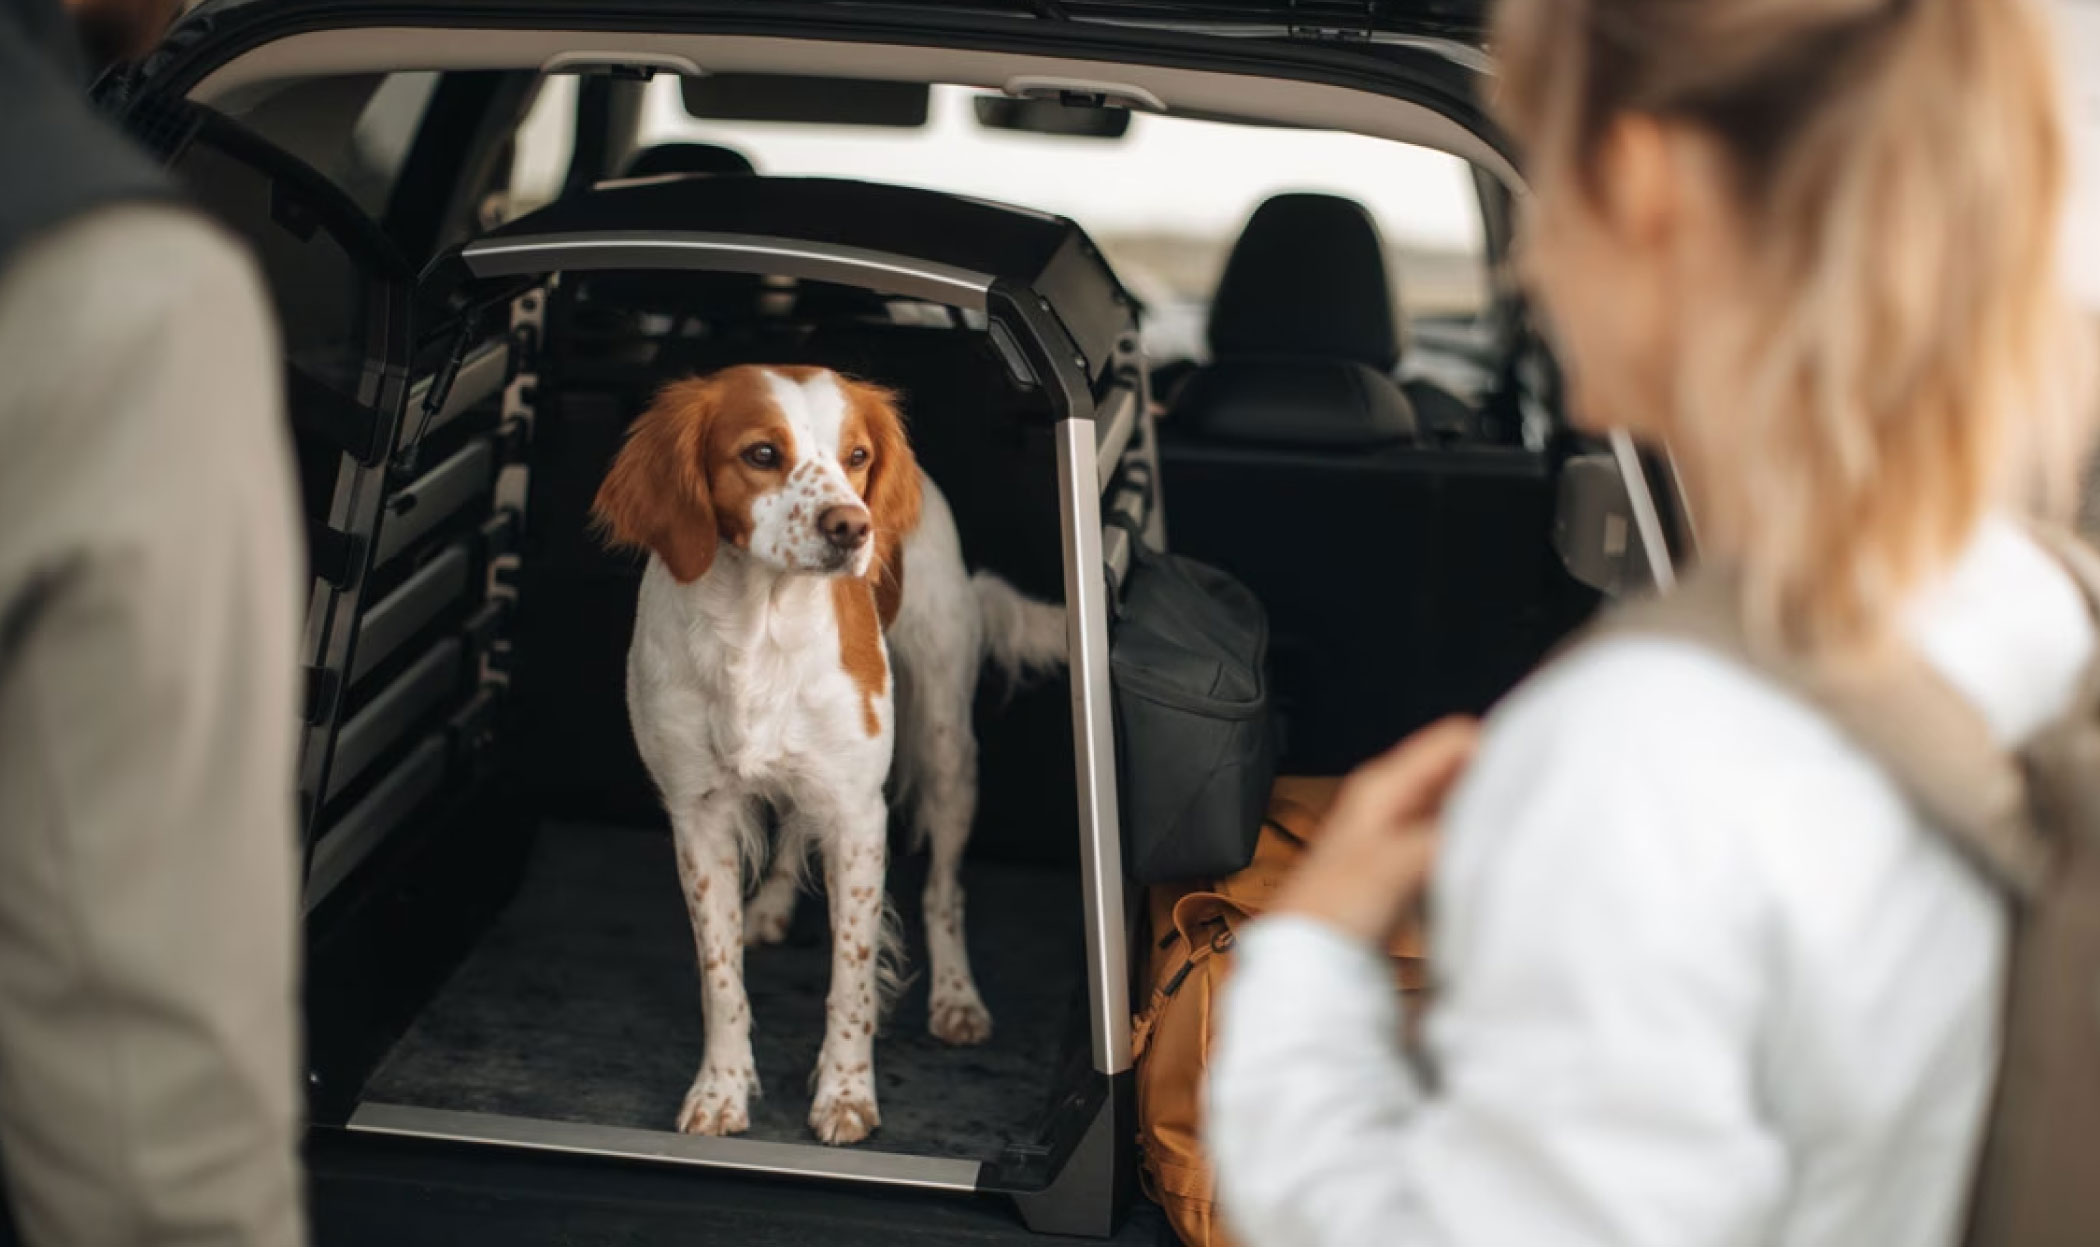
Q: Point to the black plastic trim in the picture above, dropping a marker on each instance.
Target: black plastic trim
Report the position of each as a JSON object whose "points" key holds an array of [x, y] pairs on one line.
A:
{"points": [[483, 372], [322, 688], [1054, 359], [376, 816], [393, 712], [320, 409], [499, 536], [319, 202], [443, 581], [1094, 1178], [487, 625], [420, 506], [337, 556]]}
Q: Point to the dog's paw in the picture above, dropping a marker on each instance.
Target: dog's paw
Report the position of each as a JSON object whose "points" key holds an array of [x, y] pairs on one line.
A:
{"points": [[719, 1102], [959, 1018], [766, 926], [844, 1116], [768, 914]]}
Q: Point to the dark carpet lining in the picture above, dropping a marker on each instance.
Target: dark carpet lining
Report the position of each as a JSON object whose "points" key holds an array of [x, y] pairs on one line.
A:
{"points": [[582, 1004]]}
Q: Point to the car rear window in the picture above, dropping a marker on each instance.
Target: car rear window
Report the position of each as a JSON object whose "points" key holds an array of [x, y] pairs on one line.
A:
{"points": [[355, 129], [1165, 200]]}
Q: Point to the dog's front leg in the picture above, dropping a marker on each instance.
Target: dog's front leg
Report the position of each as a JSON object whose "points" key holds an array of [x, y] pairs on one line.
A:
{"points": [[710, 837], [855, 852]]}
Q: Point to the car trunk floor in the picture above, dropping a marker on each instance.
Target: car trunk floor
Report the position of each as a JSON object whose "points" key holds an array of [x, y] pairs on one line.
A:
{"points": [[582, 1004]]}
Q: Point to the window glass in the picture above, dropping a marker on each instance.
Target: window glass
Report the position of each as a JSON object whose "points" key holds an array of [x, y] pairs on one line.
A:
{"points": [[540, 154], [1166, 200], [380, 140], [354, 129]]}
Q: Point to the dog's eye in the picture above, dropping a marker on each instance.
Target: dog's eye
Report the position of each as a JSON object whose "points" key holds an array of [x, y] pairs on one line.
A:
{"points": [[763, 455], [858, 457]]}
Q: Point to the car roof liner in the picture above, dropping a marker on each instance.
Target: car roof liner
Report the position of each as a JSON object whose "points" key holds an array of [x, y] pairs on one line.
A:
{"points": [[1423, 53]]}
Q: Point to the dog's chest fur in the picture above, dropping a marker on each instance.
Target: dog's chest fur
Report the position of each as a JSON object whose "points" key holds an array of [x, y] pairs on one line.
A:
{"points": [[758, 691]]}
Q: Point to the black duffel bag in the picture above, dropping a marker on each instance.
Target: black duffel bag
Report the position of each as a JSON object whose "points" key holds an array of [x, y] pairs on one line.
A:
{"points": [[1188, 663]]}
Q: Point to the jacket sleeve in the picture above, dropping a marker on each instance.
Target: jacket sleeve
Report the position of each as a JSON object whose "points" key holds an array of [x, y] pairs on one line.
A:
{"points": [[149, 578], [1588, 1066]]}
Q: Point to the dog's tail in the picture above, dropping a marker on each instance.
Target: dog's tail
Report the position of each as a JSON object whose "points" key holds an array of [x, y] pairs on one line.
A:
{"points": [[893, 972], [1023, 638]]}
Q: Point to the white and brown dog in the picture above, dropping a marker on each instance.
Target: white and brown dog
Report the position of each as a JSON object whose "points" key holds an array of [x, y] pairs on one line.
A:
{"points": [[781, 508]]}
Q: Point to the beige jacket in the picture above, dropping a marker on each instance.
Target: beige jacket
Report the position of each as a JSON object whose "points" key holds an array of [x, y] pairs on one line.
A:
{"points": [[149, 616]]}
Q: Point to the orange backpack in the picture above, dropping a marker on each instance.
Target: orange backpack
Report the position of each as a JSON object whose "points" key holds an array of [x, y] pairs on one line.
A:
{"points": [[1193, 929]]}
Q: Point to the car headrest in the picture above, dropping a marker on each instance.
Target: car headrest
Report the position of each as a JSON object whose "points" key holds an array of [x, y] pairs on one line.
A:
{"points": [[1304, 403], [664, 158], [1308, 279]]}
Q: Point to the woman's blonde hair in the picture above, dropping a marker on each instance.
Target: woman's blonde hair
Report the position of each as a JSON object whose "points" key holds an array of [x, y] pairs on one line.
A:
{"points": [[1910, 359]]}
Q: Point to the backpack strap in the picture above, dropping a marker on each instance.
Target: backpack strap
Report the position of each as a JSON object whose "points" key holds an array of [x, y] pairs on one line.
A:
{"points": [[1922, 731], [2077, 557]]}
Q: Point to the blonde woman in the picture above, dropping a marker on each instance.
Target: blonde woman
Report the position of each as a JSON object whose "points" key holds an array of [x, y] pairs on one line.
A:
{"points": [[1704, 976]]}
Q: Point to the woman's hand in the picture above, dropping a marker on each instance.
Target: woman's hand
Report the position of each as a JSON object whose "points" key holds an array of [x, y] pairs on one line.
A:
{"points": [[1371, 859]]}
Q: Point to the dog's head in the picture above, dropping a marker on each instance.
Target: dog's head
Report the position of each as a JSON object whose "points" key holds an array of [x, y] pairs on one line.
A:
{"points": [[806, 470]]}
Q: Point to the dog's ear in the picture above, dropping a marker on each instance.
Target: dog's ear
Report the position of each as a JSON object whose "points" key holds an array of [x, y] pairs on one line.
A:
{"points": [[893, 475], [655, 495], [893, 491]]}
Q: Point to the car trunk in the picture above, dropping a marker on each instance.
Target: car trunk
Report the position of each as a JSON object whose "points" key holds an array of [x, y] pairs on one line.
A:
{"points": [[498, 953]]}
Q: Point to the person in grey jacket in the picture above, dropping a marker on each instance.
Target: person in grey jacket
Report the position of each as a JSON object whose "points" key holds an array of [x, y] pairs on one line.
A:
{"points": [[150, 587]]}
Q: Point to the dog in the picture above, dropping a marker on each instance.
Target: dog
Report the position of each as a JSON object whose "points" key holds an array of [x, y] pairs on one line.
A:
{"points": [[804, 619]]}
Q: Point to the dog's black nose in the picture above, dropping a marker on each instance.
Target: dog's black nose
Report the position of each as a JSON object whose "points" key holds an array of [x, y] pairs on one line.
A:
{"points": [[846, 527]]}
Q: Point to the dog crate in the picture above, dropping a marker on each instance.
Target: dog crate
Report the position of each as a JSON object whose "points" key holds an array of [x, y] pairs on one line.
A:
{"points": [[499, 952]]}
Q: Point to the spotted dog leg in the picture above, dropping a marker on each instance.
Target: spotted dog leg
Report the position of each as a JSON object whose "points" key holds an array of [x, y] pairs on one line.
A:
{"points": [[708, 837], [947, 802], [772, 910], [855, 855]]}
